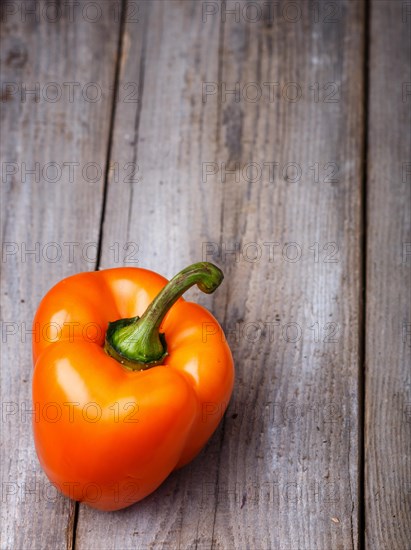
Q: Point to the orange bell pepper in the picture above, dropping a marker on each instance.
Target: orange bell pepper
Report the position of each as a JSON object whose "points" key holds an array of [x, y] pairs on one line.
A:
{"points": [[121, 400]]}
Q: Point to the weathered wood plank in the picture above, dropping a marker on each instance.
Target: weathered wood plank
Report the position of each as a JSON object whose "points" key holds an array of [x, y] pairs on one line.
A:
{"points": [[388, 315], [167, 214], [282, 471], [299, 448], [54, 132], [159, 140]]}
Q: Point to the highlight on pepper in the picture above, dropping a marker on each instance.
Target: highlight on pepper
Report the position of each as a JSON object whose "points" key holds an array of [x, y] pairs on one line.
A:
{"points": [[123, 409]]}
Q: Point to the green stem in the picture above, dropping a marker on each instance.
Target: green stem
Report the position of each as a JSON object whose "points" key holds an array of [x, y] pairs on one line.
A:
{"points": [[137, 342]]}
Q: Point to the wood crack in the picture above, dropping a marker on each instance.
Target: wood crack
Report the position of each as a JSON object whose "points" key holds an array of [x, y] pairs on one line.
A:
{"points": [[137, 121], [111, 128]]}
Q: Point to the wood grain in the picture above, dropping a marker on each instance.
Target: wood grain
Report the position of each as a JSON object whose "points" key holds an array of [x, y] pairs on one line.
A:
{"points": [[282, 470], [41, 212], [167, 214], [388, 340]]}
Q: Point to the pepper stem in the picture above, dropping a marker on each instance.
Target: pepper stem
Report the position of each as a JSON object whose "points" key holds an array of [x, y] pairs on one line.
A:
{"points": [[137, 342]]}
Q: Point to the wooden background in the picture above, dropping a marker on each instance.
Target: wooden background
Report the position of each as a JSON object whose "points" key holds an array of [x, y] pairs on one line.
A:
{"points": [[140, 155]]}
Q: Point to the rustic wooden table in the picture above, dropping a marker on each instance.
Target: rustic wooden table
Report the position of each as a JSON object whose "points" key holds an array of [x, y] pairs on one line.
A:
{"points": [[273, 139]]}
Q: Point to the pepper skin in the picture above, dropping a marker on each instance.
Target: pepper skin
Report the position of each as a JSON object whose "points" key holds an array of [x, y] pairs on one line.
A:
{"points": [[106, 434]]}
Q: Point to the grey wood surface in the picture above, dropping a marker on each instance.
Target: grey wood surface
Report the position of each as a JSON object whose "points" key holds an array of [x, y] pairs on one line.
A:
{"points": [[388, 320], [38, 210], [263, 475], [279, 172]]}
